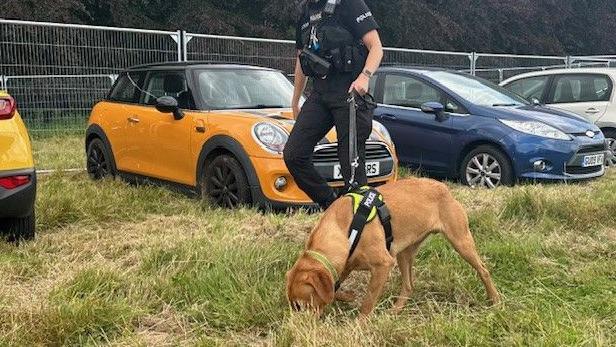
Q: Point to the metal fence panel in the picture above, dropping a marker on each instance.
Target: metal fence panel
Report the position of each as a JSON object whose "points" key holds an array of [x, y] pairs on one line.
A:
{"points": [[58, 103], [53, 70], [58, 71], [276, 54], [426, 58], [499, 67]]}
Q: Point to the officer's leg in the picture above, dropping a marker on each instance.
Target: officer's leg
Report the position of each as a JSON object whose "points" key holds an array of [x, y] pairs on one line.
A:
{"points": [[364, 128], [313, 123]]}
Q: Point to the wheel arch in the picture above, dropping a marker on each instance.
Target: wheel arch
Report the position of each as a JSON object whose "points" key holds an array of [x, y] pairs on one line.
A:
{"points": [[94, 131], [222, 144], [484, 142]]}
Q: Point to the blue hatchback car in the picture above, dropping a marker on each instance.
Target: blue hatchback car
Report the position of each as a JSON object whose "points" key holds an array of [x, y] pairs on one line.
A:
{"points": [[454, 125]]}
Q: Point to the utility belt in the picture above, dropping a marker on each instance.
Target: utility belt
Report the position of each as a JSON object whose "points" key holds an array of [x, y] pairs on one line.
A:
{"points": [[346, 60]]}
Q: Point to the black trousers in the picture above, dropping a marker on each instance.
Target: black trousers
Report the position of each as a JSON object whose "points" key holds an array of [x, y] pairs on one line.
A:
{"points": [[319, 114]]}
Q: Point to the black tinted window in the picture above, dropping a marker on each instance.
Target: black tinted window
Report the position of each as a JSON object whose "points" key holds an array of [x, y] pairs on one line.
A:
{"points": [[529, 88], [582, 88], [408, 92], [125, 89], [168, 83]]}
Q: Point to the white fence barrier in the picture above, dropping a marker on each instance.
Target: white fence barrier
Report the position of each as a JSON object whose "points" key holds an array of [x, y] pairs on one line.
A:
{"points": [[58, 71]]}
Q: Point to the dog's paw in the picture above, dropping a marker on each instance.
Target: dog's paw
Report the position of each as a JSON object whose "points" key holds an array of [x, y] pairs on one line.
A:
{"points": [[346, 296]]}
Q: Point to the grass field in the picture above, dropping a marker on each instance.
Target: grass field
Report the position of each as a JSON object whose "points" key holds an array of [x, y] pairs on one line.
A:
{"points": [[126, 265]]}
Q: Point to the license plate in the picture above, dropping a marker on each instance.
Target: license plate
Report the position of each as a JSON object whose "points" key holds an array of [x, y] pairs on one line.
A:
{"points": [[593, 160], [372, 169]]}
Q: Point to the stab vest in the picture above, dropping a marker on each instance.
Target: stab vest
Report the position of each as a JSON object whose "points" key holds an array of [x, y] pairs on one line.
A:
{"points": [[329, 47]]}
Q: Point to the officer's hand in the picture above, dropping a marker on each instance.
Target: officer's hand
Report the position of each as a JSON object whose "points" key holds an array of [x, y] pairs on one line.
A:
{"points": [[360, 85]]}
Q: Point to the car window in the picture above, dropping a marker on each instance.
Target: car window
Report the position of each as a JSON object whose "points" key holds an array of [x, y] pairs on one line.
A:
{"points": [[372, 86], [126, 87], [408, 91], [529, 88], [222, 89], [476, 90], [581, 88], [168, 83], [452, 106]]}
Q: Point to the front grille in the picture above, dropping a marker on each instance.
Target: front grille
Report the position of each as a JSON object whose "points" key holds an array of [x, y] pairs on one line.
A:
{"points": [[593, 148], [329, 153], [578, 170]]}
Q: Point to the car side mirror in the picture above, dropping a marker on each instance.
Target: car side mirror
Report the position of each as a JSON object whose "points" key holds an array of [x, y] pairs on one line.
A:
{"points": [[535, 102], [169, 104], [435, 108]]}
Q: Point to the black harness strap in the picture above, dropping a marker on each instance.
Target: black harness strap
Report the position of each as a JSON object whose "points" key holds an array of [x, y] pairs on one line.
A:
{"points": [[372, 198], [361, 217], [385, 218]]}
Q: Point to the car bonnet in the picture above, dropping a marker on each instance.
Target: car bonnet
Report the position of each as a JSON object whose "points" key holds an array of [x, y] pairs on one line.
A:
{"points": [[565, 121], [284, 118]]}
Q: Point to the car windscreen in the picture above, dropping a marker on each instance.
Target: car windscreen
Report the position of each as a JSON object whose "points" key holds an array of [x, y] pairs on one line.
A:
{"points": [[226, 89], [476, 90]]}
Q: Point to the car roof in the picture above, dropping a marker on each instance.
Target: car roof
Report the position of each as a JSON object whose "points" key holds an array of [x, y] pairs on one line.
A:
{"points": [[196, 64], [415, 69], [573, 71]]}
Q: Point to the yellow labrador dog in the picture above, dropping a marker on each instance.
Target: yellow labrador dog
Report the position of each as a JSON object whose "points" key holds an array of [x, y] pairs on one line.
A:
{"points": [[419, 207]]}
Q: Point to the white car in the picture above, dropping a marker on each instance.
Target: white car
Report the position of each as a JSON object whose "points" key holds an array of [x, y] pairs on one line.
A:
{"points": [[589, 92]]}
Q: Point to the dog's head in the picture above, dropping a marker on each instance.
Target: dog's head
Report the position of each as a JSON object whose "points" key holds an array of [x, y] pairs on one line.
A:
{"points": [[309, 286]]}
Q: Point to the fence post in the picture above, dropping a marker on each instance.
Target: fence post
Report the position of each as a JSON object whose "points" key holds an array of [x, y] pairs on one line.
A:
{"points": [[473, 58], [2, 84], [177, 37], [185, 40], [568, 61], [500, 75]]}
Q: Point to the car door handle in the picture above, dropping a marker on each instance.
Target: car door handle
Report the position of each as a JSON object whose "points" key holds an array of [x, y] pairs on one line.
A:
{"points": [[200, 126], [388, 116], [592, 111], [133, 120]]}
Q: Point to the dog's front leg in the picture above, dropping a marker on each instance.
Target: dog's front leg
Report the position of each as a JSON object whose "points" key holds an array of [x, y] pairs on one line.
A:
{"points": [[378, 277], [345, 295]]}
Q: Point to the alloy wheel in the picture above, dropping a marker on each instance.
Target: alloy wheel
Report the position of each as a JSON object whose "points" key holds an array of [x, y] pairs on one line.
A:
{"points": [[223, 186], [483, 170], [98, 166], [611, 160]]}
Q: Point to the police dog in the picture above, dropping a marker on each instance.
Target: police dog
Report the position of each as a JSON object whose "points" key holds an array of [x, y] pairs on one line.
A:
{"points": [[419, 207]]}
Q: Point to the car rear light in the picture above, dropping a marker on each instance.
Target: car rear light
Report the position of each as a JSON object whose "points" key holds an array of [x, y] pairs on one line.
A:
{"points": [[13, 182], [7, 107]]}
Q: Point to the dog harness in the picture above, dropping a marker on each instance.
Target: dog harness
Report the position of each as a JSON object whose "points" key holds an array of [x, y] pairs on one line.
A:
{"points": [[367, 204]]}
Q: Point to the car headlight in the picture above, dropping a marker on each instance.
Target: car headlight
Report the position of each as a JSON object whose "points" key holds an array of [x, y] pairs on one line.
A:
{"points": [[271, 137], [380, 128], [537, 129]]}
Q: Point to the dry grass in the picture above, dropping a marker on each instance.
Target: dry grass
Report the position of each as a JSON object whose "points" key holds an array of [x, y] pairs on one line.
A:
{"points": [[126, 265]]}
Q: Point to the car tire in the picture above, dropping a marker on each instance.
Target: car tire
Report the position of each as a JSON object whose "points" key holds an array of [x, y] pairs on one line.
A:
{"points": [[610, 136], [18, 229], [224, 183], [99, 161], [488, 167]]}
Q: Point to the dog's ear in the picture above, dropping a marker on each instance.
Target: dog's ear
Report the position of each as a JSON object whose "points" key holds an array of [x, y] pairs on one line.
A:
{"points": [[323, 285]]}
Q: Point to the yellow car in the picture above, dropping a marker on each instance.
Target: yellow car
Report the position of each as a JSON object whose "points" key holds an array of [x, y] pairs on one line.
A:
{"points": [[214, 130], [17, 174]]}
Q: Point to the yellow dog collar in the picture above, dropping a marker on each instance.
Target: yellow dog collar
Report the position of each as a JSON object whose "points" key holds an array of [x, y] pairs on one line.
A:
{"points": [[323, 260]]}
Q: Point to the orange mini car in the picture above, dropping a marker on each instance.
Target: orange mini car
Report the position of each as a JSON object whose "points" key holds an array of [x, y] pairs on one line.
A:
{"points": [[215, 130]]}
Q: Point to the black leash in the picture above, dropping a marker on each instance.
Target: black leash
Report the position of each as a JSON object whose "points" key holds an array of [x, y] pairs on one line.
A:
{"points": [[355, 101]]}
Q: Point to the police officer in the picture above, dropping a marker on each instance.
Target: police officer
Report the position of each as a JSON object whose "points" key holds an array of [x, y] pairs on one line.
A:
{"points": [[339, 48]]}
